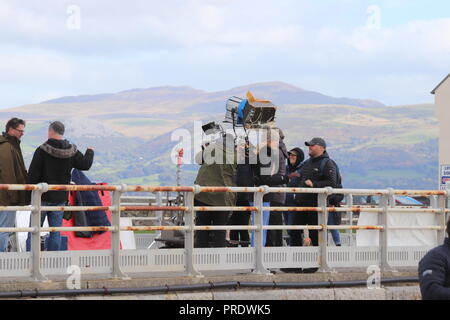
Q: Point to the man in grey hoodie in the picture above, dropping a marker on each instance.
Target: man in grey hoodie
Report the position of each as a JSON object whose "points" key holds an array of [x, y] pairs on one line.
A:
{"points": [[52, 163]]}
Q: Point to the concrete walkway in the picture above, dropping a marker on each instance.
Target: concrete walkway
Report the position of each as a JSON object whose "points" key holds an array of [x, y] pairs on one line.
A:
{"points": [[403, 291]]}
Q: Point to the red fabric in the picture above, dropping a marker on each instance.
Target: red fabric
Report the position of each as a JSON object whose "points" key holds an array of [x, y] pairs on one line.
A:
{"points": [[97, 241]]}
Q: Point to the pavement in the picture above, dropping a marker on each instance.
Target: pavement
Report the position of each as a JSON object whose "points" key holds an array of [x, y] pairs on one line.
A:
{"points": [[401, 291]]}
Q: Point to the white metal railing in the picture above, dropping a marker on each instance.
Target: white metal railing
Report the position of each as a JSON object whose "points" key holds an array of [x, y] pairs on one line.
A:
{"points": [[188, 260]]}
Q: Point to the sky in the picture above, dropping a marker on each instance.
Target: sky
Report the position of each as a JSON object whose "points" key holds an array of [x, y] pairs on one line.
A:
{"points": [[394, 51]]}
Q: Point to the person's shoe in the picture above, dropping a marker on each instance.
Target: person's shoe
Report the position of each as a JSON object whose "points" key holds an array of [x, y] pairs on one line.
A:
{"points": [[338, 245], [232, 243], [310, 270], [292, 270]]}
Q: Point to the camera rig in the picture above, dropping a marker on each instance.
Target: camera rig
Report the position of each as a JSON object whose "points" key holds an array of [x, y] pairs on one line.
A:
{"points": [[249, 113]]}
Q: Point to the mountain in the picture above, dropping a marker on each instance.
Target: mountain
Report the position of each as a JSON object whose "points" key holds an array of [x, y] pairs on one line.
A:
{"points": [[376, 146], [280, 93]]}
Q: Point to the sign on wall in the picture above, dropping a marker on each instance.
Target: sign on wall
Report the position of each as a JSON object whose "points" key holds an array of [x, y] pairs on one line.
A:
{"points": [[444, 177]]}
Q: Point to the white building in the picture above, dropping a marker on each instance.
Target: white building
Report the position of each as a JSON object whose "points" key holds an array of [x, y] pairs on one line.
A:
{"points": [[442, 101]]}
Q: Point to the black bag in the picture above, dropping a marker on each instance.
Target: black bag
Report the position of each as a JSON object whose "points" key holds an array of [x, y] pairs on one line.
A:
{"points": [[80, 219], [335, 198]]}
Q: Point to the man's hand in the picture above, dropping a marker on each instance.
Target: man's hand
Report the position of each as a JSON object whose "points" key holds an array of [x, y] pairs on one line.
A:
{"points": [[306, 239], [307, 242], [309, 183]]}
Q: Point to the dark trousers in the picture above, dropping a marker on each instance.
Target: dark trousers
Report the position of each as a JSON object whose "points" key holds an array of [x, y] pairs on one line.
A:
{"points": [[274, 238], [213, 238], [296, 236], [288, 219], [240, 218]]}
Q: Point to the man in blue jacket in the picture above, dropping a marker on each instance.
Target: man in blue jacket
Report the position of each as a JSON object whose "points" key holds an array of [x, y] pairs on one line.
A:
{"points": [[434, 272]]}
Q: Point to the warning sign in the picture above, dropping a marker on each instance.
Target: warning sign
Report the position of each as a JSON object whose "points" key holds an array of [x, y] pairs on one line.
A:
{"points": [[445, 170], [445, 180], [445, 177]]}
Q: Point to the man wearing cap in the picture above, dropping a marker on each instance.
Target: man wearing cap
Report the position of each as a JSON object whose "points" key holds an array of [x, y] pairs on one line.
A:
{"points": [[312, 176]]}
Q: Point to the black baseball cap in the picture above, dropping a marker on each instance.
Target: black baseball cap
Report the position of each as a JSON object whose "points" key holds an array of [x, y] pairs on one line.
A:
{"points": [[316, 141]]}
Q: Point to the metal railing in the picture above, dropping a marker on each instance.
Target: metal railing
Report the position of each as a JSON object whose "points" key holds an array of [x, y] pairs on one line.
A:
{"points": [[256, 257]]}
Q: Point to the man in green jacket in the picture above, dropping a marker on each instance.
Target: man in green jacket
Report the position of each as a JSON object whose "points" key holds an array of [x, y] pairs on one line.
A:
{"points": [[12, 171], [218, 168]]}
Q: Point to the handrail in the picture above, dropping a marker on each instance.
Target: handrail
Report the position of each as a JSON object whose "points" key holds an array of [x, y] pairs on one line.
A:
{"points": [[385, 207]]}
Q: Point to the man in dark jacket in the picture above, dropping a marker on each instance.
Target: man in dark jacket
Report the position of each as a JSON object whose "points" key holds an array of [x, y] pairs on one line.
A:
{"points": [[434, 272], [312, 177], [244, 178], [12, 171], [52, 163]]}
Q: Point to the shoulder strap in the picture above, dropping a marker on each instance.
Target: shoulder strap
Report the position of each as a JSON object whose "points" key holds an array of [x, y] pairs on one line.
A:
{"points": [[323, 162]]}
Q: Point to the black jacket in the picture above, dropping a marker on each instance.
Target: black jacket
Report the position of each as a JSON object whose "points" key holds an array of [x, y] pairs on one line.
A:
{"points": [[311, 171], [294, 181], [434, 273], [53, 162], [244, 178], [272, 174]]}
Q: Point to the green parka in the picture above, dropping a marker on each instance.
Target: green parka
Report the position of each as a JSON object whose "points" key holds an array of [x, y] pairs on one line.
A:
{"points": [[220, 173], [12, 171]]}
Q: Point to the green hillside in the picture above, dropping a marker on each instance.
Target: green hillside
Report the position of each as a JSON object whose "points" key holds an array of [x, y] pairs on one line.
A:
{"points": [[375, 146]]}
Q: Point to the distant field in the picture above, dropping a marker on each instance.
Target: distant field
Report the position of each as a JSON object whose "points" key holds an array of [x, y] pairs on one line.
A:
{"points": [[375, 146]]}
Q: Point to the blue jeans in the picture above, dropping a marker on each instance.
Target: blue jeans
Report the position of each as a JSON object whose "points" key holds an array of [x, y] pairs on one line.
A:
{"points": [[334, 233], [7, 220], [54, 220]]}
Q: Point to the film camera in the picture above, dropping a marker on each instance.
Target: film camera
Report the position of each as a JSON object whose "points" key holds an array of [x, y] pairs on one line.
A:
{"points": [[249, 113]]}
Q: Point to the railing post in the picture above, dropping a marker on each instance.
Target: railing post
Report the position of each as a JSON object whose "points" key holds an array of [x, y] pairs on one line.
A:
{"points": [[434, 201], [349, 202], [259, 233], [115, 237], [323, 235], [159, 203], [386, 201], [441, 219], [36, 234], [189, 220]]}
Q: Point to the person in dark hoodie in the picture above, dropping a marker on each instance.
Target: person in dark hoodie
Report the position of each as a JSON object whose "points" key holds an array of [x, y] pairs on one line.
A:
{"points": [[52, 163], [271, 171], [434, 272], [311, 176], [296, 157]]}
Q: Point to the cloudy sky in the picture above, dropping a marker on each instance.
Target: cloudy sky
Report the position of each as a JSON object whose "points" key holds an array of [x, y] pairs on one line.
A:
{"points": [[394, 51]]}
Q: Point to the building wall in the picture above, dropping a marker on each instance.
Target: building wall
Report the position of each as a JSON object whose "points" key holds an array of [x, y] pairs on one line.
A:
{"points": [[442, 98]]}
